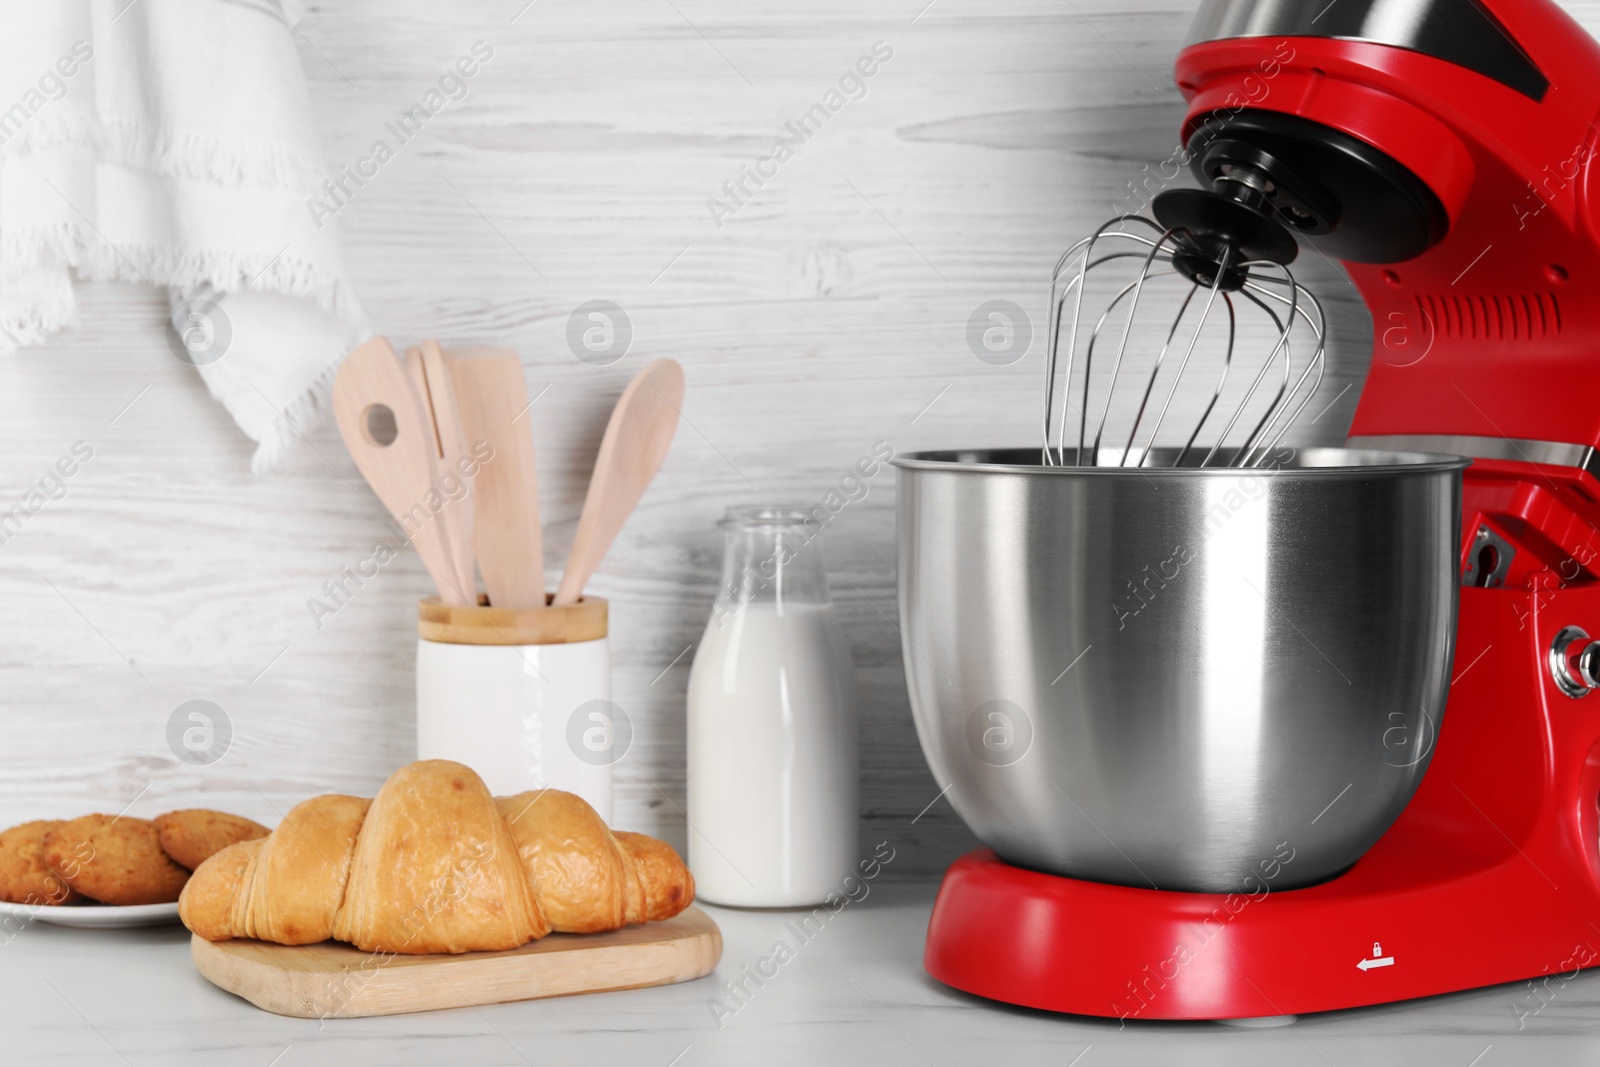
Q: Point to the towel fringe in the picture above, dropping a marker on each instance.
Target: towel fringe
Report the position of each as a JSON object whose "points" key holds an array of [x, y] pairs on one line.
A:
{"points": [[203, 157], [172, 153], [60, 125], [301, 414], [67, 244], [54, 249]]}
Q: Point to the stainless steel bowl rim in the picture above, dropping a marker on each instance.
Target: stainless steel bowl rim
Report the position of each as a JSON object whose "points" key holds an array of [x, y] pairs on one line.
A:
{"points": [[1358, 463]]}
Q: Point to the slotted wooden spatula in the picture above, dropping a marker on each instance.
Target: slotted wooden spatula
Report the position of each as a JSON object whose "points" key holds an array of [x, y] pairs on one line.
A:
{"points": [[636, 441], [493, 399], [430, 371], [402, 471]]}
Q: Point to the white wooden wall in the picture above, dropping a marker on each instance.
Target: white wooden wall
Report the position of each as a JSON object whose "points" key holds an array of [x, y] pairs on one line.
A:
{"points": [[829, 313]]}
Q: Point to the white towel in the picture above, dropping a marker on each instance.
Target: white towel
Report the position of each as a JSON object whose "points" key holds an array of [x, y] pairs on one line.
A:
{"points": [[171, 143]]}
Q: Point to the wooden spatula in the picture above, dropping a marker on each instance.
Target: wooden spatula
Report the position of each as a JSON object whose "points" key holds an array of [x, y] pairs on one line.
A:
{"points": [[402, 471], [431, 371], [492, 397], [635, 443]]}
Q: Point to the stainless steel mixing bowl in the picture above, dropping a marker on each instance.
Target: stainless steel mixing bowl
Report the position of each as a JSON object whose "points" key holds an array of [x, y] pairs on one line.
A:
{"points": [[1209, 680]]}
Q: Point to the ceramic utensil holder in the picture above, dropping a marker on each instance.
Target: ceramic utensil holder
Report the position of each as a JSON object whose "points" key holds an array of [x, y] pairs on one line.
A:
{"points": [[522, 696]]}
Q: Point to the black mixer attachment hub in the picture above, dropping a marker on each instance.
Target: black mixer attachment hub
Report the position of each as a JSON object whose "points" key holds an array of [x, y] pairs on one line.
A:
{"points": [[1256, 168], [1363, 205], [1217, 232]]}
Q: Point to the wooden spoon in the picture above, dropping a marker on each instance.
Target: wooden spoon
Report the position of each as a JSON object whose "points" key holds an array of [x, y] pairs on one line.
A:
{"points": [[402, 471], [492, 396], [431, 371], [635, 443]]}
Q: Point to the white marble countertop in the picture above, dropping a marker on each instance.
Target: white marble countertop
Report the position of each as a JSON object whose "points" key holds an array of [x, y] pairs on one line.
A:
{"points": [[855, 994]]}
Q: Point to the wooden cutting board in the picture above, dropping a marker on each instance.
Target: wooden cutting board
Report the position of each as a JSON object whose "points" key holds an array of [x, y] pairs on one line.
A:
{"points": [[337, 981]]}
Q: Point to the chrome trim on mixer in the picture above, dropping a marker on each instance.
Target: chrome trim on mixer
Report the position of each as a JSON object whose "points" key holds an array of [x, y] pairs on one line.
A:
{"points": [[1511, 449], [1457, 31], [1563, 663]]}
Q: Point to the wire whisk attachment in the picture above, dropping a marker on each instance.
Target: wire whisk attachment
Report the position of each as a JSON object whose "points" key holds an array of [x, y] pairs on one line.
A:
{"points": [[1204, 285]]}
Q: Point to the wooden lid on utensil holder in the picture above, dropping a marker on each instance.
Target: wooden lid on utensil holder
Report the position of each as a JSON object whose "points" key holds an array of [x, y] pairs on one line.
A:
{"points": [[453, 624]]}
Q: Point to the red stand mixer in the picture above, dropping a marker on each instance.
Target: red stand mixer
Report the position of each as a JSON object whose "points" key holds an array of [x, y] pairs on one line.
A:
{"points": [[1440, 149]]}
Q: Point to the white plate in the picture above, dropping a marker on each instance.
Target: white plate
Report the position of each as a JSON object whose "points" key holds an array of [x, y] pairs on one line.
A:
{"points": [[91, 916]]}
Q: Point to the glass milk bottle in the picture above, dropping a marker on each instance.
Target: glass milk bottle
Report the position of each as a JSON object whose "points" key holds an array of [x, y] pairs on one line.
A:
{"points": [[772, 723]]}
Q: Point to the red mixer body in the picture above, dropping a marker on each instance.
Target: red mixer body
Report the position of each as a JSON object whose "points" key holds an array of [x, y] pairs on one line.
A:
{"points": [[1483, 345]]}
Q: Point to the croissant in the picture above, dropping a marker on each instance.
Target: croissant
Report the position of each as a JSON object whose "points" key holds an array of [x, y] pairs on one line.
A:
{"points": [[435, 864]]}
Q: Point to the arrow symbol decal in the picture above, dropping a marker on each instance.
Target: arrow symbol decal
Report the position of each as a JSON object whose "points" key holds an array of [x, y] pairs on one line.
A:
{"points": [[1385, 961]]}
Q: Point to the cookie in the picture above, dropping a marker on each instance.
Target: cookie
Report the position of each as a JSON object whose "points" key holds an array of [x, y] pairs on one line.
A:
{"points": [[25, 877], [114, 859], [193, 836]]}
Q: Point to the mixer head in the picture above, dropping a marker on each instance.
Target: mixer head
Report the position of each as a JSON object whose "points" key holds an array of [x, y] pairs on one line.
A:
{"points": [[1267, 178]]}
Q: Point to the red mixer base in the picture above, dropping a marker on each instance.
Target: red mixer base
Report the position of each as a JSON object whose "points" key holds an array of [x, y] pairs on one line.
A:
{"points": [[1491, 873], [1066, 945]]}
